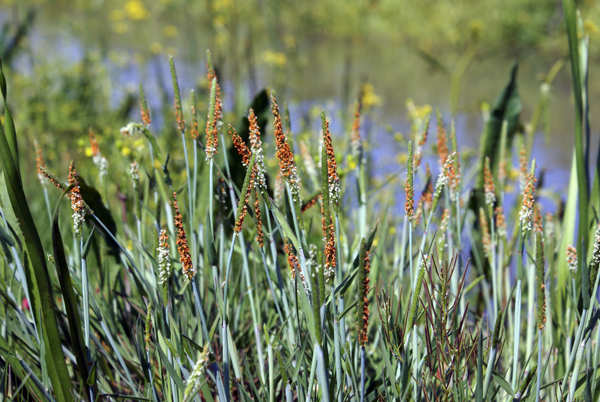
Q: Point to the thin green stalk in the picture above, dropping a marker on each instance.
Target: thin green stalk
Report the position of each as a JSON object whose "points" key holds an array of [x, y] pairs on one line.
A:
{"points": [[539, 364]]}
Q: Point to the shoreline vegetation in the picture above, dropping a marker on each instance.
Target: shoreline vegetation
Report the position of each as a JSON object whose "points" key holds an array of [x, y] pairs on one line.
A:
{"points": [[230, 257]]}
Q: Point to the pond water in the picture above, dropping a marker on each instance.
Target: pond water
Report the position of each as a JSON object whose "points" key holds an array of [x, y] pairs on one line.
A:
{"points": [[324, 72]]}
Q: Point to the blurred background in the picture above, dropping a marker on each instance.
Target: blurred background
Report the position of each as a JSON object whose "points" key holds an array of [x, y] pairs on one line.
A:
{"points": [[77, 64]]}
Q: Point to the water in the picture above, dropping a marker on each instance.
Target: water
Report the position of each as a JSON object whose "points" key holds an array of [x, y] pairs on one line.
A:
{"points": [[324, 73]]}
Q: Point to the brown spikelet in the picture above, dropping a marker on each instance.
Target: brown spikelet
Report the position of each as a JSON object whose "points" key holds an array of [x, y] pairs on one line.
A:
{"points": [[77, 204], [240, 146], [242, 214], [422, 140], [538, 225], [212, 140], [329, 237], [332, 175], [182, 244], [488, 185], [500, 222], [486, 239], [144, 110], [311, 202], [284, 152], [292, 259], [94, 143]]}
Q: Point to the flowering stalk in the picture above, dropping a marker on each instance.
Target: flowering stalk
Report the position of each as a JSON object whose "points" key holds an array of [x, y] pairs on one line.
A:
{"points": [[177, 98], [287, 166], [486, 239], [164, 263], [489, 188], [364, 268], [526, 213], [194, 381], [326, 218], [182, 244], [256, 149], [357, 146], [247, 187], [77, 204], [240, 146], [144, 110]]}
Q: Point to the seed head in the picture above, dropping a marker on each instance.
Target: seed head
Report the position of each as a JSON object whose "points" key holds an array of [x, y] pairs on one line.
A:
{"points": [[541, 281], [194, 382], [486, 239], [409, 206], [332, 175], [310, 203], [76, 201], [182, 245], [145, 112], [285, 155], [489, 188], [256, 149], [213, 120], [240, 146], [164, 260], [572, 258], [500, 222], [357, 148], [177, 95], [363, 301], [526, 213]]}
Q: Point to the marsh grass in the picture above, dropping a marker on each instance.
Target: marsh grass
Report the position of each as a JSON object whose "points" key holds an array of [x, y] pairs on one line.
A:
{"points": [[185, 285]]}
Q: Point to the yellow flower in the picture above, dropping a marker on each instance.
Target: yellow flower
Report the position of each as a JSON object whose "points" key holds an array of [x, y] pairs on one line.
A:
{"points": [[156, 47], [88, 151], [117, 15], [370, 98], [351, 161], [170, 31], [589, 27], [136, 10], [273, 58], [125, 151]]}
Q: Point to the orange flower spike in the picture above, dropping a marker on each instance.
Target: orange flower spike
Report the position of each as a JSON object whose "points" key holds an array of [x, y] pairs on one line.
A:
{"points": [[77, 204], [355, 137], [240, 146], [145, 112], [182, 244], [94, 143]]}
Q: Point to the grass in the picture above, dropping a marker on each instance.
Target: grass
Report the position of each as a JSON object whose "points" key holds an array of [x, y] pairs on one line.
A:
{"points": [[205, 275]]}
